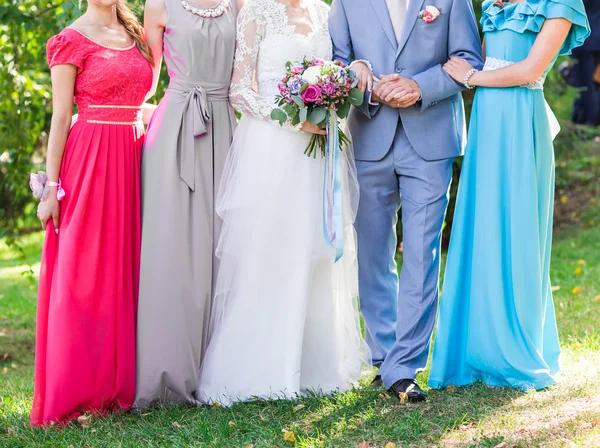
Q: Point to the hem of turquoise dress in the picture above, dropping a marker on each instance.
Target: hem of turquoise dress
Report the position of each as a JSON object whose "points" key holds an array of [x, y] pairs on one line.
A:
{"points": [[493, 381]]}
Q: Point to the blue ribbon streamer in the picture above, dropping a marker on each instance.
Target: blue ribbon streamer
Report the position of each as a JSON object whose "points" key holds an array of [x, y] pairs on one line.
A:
{"points": [[333, 224]]}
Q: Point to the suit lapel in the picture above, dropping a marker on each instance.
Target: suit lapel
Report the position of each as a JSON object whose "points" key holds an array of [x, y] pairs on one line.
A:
{"points": [[382, 12], [412, 15]]}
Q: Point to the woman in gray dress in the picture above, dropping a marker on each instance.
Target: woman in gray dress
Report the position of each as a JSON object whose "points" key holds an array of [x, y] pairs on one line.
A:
{"points": [[186, 146]]}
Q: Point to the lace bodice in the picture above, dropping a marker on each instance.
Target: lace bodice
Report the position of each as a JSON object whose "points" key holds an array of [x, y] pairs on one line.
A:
{"points": [[105, 76], [265, 43]]}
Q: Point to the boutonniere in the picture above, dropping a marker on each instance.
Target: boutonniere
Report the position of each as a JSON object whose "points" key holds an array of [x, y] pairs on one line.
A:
{"points": [[430, 14]]}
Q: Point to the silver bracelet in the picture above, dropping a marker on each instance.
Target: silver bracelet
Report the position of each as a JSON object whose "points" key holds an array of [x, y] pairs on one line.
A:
{"points": [[468, 77]]}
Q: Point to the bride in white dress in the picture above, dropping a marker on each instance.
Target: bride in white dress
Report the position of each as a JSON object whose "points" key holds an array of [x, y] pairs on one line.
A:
{"points": [[285, 319]]}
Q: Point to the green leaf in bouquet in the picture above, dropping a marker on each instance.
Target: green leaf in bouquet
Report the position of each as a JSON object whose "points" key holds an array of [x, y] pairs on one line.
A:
{"points": [[296, 120], [352, 75], [288, 66], [279, 115], [290, 110], [298, 100], [317, 115], [343, 110], [303, 88], [356, 97], [303, 114]]}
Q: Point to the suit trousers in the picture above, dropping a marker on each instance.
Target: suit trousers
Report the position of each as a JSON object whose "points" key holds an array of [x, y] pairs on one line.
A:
{"points": [[400, 313]]}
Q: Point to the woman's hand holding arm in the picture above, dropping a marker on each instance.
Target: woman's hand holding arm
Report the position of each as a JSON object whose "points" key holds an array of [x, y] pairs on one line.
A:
{"points": [[543, 51]]}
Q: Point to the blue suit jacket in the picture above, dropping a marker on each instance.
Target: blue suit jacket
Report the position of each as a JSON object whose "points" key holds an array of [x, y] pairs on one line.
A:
{"points": [[362, 29]]}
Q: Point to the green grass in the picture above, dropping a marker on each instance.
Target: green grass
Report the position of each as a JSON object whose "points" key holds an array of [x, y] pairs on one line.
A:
{"points": [[565, 415]]}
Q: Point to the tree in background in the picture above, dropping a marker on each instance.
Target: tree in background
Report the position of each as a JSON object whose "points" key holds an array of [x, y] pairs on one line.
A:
{"points": [[25, 100], [26, 109]]}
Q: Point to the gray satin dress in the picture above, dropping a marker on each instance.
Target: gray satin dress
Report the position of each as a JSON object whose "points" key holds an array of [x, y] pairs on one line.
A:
{"points": [[185, 150]]}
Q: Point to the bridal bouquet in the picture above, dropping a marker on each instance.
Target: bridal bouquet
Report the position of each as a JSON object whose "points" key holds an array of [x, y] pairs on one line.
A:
{"points": [[318, 91], [321, 92]]}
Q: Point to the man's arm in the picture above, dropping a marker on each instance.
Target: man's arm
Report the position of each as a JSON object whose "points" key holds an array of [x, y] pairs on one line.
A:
{"points": [[463, 42], [342, 48]]}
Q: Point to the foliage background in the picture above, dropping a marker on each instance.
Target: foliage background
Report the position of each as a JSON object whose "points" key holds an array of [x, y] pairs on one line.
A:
{"points": [[25, 102]]}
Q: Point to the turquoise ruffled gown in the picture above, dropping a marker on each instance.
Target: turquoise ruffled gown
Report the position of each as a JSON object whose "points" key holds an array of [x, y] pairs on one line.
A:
{"points": [[496, 321]]}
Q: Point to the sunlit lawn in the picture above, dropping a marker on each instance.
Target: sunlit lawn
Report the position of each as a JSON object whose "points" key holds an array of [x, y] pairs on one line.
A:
{"points": [[565, 415]]}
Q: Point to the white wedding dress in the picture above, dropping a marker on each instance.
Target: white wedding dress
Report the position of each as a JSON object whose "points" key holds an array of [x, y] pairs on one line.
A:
{"points": [[285, 317]]}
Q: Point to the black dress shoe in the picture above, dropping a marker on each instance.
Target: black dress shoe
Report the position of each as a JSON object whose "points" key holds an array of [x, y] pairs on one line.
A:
{"points": [[407, 390], [377, 382]]}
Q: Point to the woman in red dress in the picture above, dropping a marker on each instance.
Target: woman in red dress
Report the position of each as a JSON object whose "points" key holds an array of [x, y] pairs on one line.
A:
{"points": [[87, 301]]}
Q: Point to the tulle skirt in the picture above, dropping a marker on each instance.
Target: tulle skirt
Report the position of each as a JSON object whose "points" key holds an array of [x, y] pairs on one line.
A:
{"points": [[285, 317], [87, 299]]}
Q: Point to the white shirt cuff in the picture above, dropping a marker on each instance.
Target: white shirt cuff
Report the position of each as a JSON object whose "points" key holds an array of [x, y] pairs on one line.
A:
{"points": [[372, 102]]}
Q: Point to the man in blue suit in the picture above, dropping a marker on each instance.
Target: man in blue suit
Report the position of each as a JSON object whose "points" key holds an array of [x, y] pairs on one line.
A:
{"points": [[587, 106], [406, 134]]}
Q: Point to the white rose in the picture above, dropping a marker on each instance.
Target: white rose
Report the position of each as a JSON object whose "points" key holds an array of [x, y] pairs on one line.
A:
{"points": [[433, 11], [312, 74]]}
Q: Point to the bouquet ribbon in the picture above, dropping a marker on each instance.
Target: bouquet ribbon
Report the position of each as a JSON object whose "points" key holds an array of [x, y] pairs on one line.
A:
{"points": [[333, 224]]}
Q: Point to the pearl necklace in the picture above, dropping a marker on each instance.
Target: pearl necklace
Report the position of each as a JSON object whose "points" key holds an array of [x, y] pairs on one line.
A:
{"points": [[217, 11]]}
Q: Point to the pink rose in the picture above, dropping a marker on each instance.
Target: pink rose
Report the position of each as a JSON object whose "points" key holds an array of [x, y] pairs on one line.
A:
{"points": [[282, 88], [311, 94], [329, 89], [427, 16], [318, 62]]}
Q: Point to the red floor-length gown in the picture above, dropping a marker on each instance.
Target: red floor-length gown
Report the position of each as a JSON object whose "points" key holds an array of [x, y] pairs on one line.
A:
{"points": [[87, 300]]}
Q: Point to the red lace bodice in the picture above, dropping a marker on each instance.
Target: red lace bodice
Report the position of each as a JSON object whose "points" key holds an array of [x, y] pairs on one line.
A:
{"points": [[106, 76]]}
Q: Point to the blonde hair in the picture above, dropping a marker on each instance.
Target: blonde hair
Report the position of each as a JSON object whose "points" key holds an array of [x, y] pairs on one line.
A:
{"points": [[134, 29]]}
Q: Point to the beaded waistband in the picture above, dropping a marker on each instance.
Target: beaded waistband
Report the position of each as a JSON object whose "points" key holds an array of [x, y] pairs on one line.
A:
{"points": [[496, 64], [111, 114]]}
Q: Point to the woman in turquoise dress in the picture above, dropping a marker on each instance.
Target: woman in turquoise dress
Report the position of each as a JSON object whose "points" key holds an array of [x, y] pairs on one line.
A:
{"points": [[496, 321]]}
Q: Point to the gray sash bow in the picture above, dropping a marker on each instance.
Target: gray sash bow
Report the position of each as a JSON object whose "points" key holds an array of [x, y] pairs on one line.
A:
{"points": [[197, 94]]}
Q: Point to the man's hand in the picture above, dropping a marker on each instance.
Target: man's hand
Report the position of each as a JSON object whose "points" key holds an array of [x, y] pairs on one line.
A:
{"points": [[396, 91]]}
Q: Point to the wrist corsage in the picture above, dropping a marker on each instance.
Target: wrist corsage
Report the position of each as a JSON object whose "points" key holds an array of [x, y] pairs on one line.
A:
{"points": [[40, 186]]}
